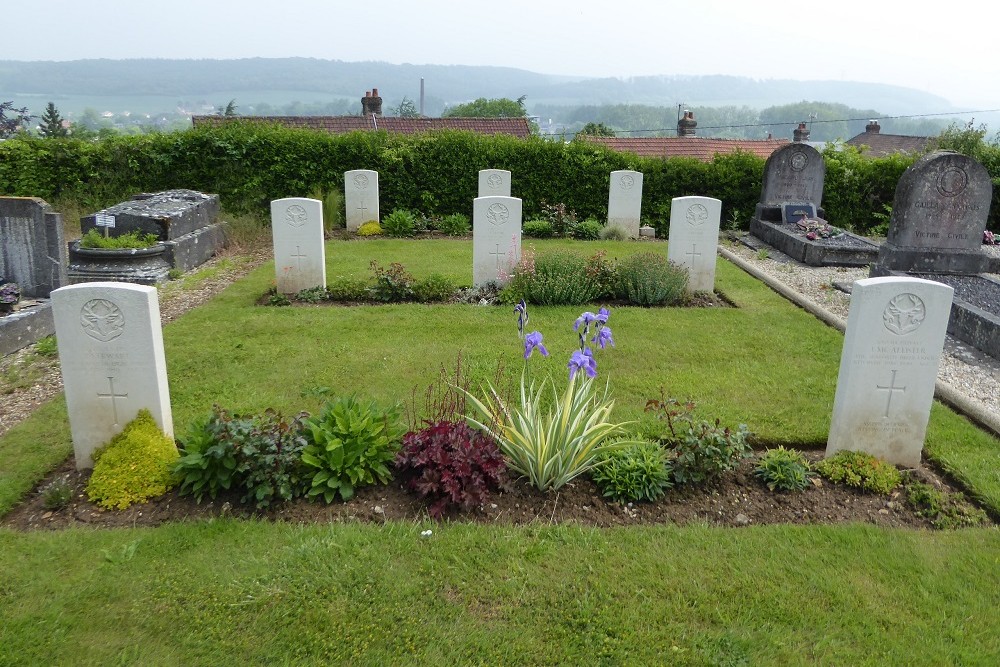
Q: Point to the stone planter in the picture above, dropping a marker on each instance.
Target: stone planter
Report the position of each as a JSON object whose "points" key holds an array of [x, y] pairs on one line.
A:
{"points": [[144, 266]]}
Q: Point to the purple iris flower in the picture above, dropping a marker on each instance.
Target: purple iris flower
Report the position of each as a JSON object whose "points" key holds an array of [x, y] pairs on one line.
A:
{"points": [[585, 319], [521, 309], [603, 338], [533, 341], [602, 315], [582, 361]]}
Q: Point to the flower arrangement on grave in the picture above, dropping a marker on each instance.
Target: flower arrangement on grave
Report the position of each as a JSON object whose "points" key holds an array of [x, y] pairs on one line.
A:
{"points": [[10, 294], [549, 436], [816, 228], [989, 238]]}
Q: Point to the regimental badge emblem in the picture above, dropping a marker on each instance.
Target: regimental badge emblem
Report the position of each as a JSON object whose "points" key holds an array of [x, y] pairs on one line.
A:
{"points": [[696, 215], [102, 320], [296, 216], [799, 160], [626, 181], [494, 181], [361, 181], [904, 314], [497, 214], [952, 182]]}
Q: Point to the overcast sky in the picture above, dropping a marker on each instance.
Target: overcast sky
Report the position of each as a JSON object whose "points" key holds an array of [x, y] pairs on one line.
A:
{"points": [[947, 49]]}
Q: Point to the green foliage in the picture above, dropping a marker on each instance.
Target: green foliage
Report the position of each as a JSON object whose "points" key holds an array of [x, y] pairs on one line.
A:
{"points": [[561, 277], [370, 228], [547, 437], [614, 233], [333, 207], [393, 284], [860, 470], [587, 230], [594, 130], [312, 295], [456, 224], [405, 109], [945, 510], [134, 467], [350, 444], [57, 494], [561, 217], [537, 229], [208, 457], [699, 450], [488, 108], [783, 470], [399, 223], [276, 299], [13, 119], [638, 471], [649, 279], [345, 288], [133, 239], [52, 123], [434, 288], [47, 347]]}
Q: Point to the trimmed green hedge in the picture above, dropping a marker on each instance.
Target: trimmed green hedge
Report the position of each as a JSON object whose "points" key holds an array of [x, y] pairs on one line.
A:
{"points": [[250, 163]]}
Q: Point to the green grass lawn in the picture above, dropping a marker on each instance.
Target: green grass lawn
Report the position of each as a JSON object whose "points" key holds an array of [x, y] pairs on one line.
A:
{"points": [[230, 592]]}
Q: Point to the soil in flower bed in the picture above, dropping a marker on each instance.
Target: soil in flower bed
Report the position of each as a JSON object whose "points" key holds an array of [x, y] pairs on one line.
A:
{"points": [[735, 499]]}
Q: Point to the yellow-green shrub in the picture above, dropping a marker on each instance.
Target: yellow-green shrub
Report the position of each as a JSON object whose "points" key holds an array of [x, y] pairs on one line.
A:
{"points": [[134, 466], [370, 228]]}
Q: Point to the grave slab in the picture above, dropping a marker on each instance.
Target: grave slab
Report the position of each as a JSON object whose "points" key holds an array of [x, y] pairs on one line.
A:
{"points": [[299, 251], [496, 238], [892, 348], [694, 239], [361, 197], [112, 361]]}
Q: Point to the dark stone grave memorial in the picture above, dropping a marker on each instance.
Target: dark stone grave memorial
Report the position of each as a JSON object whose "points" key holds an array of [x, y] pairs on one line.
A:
{"points": [[790, 200], [184, 221], [33, 255], [936, 232]]}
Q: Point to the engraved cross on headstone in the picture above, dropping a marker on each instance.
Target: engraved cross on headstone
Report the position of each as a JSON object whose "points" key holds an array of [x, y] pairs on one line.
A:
{"points": [[362, 208], [299, 257], [694, 252], [498, 255], [890, 388], [112, 395]]}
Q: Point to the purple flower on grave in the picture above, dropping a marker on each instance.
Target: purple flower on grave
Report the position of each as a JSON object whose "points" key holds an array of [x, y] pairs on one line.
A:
{"points": [[603, 337], [584, 320], [521, 310], [10, 293], [582, 361], [532, 342]]}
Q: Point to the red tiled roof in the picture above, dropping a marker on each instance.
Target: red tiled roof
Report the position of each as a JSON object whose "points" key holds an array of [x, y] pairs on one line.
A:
{"points": [[700, 148], [879, 145], [517, 127]]}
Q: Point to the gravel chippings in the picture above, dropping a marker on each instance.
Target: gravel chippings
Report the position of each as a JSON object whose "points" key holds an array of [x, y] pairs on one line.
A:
{"points": [[969, 371]]}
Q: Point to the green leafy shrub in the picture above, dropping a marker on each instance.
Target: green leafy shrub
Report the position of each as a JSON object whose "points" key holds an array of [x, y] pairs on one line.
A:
{"points": [[434, 288], [370, 228], [451, 465], [134, 239], [945, 510], [47, 347], [638, 471], [783, 470], [312, 294], [345, 288], [57, 495], [860, 470], [393, 284], [699, 450], [257, 453], [588, 230], [648, 279], [333, 207], [134, 467], [614, 233], [456, 224], [555, 278], [350, 444], [399, 223], [537, 229], [561, 217]]}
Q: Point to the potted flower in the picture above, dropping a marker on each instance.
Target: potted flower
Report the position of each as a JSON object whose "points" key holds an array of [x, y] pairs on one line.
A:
{"points": [[10, 294]]}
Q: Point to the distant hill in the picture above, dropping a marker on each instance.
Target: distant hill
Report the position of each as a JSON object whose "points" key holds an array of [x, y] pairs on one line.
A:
{"points": [[284, 80]]}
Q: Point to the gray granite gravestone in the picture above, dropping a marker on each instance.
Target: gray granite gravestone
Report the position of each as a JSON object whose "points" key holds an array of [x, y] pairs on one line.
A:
{"points": [[793, 174], [32, 251], [938, 217]]}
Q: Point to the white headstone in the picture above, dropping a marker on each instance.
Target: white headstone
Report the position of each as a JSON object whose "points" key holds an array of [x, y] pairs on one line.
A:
{"points": [[694, 239], [494, 183], [360, 197], [895, 334], [625, 201], [299, 253], [111, 355], [496, 238]]}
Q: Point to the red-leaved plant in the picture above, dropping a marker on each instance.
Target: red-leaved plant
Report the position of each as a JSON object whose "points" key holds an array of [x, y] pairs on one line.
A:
{"points": [[451, 464]]}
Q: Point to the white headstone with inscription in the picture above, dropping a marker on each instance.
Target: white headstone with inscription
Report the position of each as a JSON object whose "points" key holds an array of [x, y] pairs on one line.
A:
{"points": [[694, 239], [360, 197], [494, 183], [895, 333], [496, 238], [299, 253], [625, 201], [112, 361]]}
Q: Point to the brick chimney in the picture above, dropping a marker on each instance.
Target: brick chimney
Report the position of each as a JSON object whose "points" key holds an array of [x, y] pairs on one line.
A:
{"points": [[371, 103], [801, 133], [872, 127], [686, 125]]}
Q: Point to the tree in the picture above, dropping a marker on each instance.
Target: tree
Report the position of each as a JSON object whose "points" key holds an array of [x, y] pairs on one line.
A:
{"points": [[52, 123], [228, 111], [406, 109], [12, 119], [596, 130], [493, 108]]}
